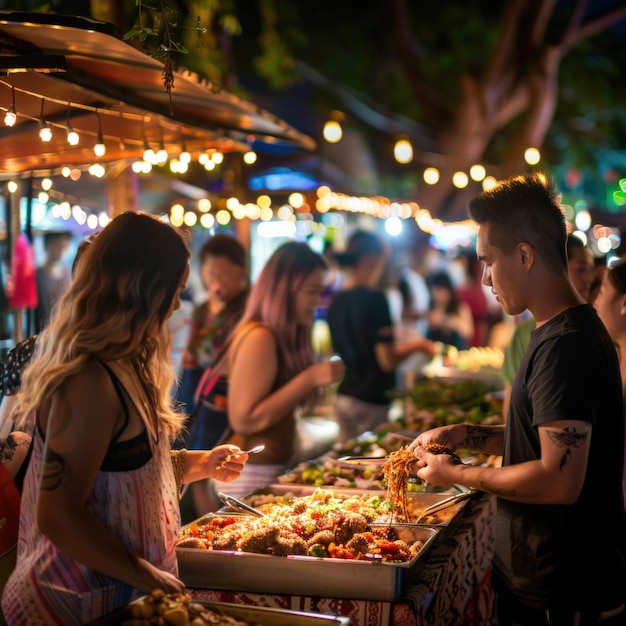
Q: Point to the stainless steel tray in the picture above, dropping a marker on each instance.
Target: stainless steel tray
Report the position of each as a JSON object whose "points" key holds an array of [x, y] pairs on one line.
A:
{"points": [[257, 615], [421, 500], [303, 575]]}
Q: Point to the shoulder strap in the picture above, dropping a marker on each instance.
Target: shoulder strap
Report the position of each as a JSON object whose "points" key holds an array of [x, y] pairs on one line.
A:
{"points": [[120, 393], [212, 374]]}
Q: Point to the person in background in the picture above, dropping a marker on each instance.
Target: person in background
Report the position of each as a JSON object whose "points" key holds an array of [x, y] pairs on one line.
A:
{"points": [[563, 442], [223, 270], [449, 320], [580, 269], [362, 333], [610, 303], [99, 512], [271, 364], [52, 277], [15, 445]]}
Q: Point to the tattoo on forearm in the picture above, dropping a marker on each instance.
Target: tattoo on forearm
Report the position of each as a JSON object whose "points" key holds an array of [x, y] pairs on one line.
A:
{"points": [[478, 437], [53, 468], [568, 438]]}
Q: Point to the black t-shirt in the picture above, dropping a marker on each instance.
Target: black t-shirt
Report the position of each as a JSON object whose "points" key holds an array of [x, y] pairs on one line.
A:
{"points": [[358, 319], [553, 555]]}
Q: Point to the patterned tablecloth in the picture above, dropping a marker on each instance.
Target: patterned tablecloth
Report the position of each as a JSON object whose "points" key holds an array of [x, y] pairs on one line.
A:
{"points": [[452, 589]]}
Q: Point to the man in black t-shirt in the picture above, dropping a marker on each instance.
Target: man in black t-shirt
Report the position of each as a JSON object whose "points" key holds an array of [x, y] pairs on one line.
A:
{"points": [[558, 550]]}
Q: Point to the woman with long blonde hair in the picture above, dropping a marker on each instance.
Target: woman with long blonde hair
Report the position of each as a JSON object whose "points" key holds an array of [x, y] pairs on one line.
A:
{"points": [[99, 514]]}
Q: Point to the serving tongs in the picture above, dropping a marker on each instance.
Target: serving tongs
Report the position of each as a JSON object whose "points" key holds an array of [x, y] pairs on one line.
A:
{"points": [[444, 504], [238, 505], [363, 461]]}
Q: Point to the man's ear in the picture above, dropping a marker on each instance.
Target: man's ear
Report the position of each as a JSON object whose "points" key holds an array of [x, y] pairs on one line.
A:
{"points": [[526, 254], [622, 304]]}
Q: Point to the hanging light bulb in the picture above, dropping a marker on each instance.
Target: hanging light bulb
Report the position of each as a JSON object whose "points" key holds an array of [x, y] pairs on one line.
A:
{"points": [[99, 149], [45, 133], [332, 131], [249, 157], [184, 155], [72, 135], [10, 117], [403, 151]]}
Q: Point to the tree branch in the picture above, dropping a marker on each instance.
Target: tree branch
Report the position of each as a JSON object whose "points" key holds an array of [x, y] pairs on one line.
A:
{"points": [[503, 50], [595, 26], [435, 105]]}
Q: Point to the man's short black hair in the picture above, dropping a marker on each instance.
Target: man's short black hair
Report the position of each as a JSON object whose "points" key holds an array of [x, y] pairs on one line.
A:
{"points": [[223, 245]]}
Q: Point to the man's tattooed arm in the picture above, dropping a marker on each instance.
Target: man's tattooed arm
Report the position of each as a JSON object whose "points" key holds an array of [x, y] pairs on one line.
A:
{"points": [[480, 437], [567, 438]]}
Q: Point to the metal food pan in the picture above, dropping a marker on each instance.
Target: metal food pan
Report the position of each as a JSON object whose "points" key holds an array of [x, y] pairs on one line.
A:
{"points": [[304, 575], [421, 500], [257, 615]]}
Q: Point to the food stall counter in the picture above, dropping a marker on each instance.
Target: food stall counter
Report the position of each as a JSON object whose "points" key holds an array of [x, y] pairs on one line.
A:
{"points": [[451, 587]]}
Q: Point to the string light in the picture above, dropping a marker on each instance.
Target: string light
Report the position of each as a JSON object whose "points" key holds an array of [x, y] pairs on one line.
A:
{"points": [[72, 135], [332, 131], [249, 157], [99, 149], [10, 116], [45, 133], [161, 155], [184, 155], [149, 155], [403, 151]]}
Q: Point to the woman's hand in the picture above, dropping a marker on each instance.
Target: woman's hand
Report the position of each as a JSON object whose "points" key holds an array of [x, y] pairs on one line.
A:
{"points": [[150, 578], [225, 462], [327, 372]]}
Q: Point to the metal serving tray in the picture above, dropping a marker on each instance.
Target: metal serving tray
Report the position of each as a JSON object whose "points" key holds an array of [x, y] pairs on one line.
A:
{"points": [[257, 615], [421, 499], [304, 575]]}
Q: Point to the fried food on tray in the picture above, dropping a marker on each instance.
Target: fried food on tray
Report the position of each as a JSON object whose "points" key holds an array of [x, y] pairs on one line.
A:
{"points": [[177, 609], [323, 524]]}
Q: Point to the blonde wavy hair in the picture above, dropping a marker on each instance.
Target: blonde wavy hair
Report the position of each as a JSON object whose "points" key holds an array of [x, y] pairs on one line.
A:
{"points": [[115, 309]]}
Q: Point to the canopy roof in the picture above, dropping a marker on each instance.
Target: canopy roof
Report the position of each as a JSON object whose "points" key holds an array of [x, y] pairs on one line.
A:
{"points": [[80, 71]]}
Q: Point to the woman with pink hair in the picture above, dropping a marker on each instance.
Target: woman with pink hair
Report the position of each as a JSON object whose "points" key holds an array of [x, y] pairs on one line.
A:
{"points": [[271, 365]]}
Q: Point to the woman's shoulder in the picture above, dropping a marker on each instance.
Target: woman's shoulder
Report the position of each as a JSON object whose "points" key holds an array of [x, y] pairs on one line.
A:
{"points": [[256, 329]]}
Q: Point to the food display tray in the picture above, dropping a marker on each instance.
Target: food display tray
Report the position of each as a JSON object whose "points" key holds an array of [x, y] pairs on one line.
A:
{"points": [[304, 575], [257, 615], [421, 499]]}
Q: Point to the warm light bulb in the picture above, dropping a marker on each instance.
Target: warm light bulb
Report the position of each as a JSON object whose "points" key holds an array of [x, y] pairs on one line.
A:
{"points": [[403, 151], [332, 131], [249, 157], [72, 136], [99, 149], [532, 156], [10, 116], [45, 133], [477, 172], [431, 175], [460, 180]]}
